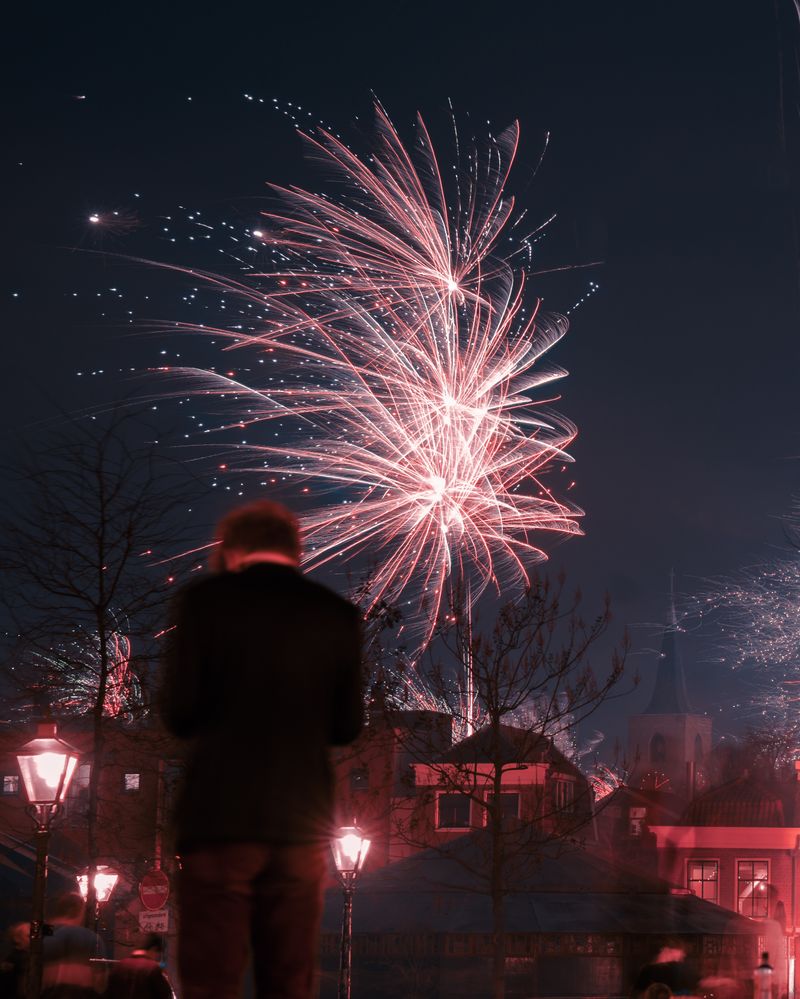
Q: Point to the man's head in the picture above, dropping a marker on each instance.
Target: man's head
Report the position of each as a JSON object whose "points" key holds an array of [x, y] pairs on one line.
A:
{"points": [[153, 946], [68, 909], [249, 533], [671, 950]]}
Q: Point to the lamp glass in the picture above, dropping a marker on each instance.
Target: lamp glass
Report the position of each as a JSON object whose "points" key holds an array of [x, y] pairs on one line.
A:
{"points": [[349, 850], [105, 881], [46, 765]]}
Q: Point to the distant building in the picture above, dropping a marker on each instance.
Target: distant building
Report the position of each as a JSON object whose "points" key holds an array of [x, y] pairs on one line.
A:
{"points": [[577, 925], [736, 844], [669, 744]]}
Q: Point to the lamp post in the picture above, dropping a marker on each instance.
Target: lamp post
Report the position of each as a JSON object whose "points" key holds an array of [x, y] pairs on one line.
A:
{"points": [[349, 850], [46, 765]]}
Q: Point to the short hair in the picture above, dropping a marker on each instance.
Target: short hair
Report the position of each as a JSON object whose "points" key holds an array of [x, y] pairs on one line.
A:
{"points": [[260, 526], [154, 941], [69, 906]]}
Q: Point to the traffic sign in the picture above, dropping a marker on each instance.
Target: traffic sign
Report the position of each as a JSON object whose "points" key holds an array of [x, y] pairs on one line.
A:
{"points": [[154, 889], [154, 921]]}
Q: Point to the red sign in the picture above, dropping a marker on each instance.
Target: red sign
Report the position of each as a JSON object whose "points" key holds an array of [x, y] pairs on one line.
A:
{"points": [[154, 890]]}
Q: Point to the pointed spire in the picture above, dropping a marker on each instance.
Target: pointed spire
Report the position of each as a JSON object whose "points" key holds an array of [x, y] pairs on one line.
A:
{"points": [[669, 692]]}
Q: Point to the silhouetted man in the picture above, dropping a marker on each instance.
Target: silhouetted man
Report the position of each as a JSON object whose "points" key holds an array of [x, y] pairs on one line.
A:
{"points": [[263, 675], [140, 976], [670, 968], [68, 952]]}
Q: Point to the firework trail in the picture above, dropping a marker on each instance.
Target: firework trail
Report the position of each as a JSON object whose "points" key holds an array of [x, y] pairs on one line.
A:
{"points": [[70, 674], [410, 368]]}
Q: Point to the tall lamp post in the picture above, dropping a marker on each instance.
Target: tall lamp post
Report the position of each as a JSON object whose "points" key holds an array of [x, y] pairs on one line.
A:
{"points": [[46, 765], [349, 850]]}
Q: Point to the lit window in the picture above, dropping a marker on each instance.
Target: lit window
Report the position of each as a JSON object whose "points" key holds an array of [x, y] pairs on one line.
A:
{"points": [[10, 784], [452, 811], [509, 804], [130, 782], [702, 877], [564, 795], [752, 891]]}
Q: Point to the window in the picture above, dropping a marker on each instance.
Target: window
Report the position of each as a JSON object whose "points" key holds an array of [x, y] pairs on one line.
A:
{"points": [[10, 784], [452, 811], [509, 804], [702, 877], [77, 801], [636, 820], [131, 782], [359, 779], [658, 748], [564, 795], [752, 888], [698, 749]]}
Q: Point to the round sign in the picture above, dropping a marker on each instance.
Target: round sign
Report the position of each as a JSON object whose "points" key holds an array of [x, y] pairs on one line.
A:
{"points": [[154, 890]]}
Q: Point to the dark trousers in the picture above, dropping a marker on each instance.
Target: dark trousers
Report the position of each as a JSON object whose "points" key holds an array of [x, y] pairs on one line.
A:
{"points": [[237, 897]]}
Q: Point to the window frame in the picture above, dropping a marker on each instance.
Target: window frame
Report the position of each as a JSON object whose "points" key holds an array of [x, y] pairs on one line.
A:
{"points": [[359, 779], [131, 773], [503, 794], [752, 896], [703, 881], [567, 806], [437, 818], [15, 791]]}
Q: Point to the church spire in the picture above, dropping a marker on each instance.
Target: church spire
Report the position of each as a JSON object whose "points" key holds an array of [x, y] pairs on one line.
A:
{"points": [[669, 693]]}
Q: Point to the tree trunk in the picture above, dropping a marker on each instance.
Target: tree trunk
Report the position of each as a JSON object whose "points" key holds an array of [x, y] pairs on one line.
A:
{"points": [[497, 875]]}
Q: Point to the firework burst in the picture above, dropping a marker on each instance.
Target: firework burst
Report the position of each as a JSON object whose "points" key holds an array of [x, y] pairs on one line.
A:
{"points": [[70, 675], [410, 372], [757, 614]]}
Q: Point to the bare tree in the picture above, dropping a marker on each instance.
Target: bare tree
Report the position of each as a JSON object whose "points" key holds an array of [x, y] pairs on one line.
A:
{"points": [[90, 519], [532, 684]]}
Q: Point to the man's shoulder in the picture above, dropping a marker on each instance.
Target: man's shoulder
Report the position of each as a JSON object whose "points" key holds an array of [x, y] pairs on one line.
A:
{"points": [[212, 588], [71, 938], [326, 595]]}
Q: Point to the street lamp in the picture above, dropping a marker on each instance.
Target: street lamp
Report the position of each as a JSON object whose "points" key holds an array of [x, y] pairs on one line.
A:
{"points": [[46, 765], [104, 881], [349, 851]]}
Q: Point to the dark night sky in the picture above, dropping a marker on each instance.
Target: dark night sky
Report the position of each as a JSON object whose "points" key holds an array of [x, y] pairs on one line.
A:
{"points": [[665, 161]]}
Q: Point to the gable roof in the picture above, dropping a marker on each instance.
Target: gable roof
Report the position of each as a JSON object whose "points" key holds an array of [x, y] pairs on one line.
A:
{"points": [[514, 745], [741, 802]]}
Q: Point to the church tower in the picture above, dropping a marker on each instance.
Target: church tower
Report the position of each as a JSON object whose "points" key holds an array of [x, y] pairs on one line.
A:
{"points": [[668, 744]]}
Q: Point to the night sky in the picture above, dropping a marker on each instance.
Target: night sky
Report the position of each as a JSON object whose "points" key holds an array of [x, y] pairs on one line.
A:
{"points": [[673, 159]]}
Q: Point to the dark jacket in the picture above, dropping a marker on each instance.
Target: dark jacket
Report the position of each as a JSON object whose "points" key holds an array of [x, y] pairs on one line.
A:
{"points": [[263, 673], [137, 977]]}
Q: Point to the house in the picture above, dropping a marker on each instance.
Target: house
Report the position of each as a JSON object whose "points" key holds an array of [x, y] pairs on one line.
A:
{"points": [[733, 842], [576, 924], [409, 787]]}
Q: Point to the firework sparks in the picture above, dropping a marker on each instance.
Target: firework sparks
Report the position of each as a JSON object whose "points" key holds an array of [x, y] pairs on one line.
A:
{"points": [[71, 676], [409, 372], [757, 613]]}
